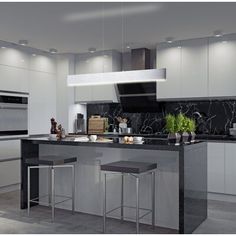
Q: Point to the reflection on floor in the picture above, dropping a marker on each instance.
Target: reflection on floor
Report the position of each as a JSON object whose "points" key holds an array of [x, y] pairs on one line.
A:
{"points": [[221, 219], [13, 220]]}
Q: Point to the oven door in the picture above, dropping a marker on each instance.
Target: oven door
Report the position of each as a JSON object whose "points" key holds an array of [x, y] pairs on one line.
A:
{"points": [[13, 115]]}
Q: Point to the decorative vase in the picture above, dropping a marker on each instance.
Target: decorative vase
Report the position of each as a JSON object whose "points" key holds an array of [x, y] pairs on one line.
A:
{"points": [[185, 137], [174, 138], [192, 136]]}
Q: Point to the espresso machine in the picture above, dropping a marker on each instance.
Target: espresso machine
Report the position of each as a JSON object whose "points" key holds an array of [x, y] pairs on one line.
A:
{"points": [[79, 124]]}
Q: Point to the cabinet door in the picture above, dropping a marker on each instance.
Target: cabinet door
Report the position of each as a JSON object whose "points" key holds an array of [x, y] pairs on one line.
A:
{"points": [[169, 57], [230, 168], [215, 167], [9, 173], [222, 69], [194, 68], [42, 102]]}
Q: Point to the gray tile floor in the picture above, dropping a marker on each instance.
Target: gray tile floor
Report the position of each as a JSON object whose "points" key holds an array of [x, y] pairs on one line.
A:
{"points": [[222, 218]]}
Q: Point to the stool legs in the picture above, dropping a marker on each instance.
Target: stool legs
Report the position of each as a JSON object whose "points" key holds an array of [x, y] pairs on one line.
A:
{"points": [[104, 203], [122, 198], [53, 192], [137, 205], [49, 186], [153, 199], [73, 189], [28, 192]]}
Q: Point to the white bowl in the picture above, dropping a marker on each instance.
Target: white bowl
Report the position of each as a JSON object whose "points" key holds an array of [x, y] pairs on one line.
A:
{"points": [[138, 139], [53, 136]]}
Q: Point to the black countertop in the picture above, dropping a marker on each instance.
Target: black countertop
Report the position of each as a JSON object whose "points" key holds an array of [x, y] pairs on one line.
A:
{"points": [[149, 144]]}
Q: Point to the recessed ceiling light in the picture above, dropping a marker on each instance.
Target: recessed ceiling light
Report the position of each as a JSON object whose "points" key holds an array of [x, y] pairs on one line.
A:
{"points": [[179, 47], [23, 42], [3, 47], [128, 46], [169, 40], [33, 55], [218, 33], [53, 50], [92, 50]]}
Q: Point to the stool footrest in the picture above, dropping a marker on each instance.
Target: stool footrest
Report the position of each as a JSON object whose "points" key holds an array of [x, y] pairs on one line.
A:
{"points": [[132, 207]]}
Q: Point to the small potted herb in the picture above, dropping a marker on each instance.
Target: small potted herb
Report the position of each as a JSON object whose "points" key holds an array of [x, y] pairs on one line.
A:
{"points": [[182, 123], [172, 128], [191, 130]]}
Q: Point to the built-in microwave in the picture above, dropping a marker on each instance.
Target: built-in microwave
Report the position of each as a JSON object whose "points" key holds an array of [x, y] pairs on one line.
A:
{"points": [[13, 114]]}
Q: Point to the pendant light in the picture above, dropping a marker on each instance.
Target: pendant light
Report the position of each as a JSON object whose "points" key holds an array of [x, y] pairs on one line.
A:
{"points": [[132, 76]]}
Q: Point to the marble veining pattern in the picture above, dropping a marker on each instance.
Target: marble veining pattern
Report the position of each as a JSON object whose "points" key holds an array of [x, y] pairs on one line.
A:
{"points": [[212, 117]]}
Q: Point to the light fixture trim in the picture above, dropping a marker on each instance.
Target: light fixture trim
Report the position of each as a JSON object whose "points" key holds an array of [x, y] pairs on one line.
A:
{"points": [[134, 76], [92, 50], [53, 50], [23, 42], [218, 33]]}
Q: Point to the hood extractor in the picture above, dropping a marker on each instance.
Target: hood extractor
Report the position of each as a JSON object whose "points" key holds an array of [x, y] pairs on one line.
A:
{"points": [[139, 97]]}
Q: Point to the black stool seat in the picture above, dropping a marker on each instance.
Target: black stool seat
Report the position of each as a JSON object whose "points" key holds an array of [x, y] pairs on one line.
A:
{"points": [[129, 167], [50, 160]]}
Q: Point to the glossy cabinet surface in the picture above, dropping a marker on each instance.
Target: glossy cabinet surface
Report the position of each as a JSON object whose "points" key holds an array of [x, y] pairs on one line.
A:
{"points": [[216, 167]]}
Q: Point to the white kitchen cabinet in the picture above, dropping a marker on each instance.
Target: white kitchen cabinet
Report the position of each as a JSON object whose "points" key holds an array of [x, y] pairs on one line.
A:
{"points": [[9, 173], [42, 102], [169, 57], [230, 168], [98, 62], [222, 69], [194, 68], [9, 166], [14, 79], [216, 167]]}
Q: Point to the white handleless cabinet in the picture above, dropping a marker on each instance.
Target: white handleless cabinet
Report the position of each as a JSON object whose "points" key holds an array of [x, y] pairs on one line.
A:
{"points": [[222, 69], [216, 167], [194, 72], [230, 168], [9, 165], [169, 57], [98, 62]]}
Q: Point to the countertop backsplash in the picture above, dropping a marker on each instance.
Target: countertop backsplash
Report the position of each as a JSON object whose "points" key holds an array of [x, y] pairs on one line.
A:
{"points": [[212, 117]]}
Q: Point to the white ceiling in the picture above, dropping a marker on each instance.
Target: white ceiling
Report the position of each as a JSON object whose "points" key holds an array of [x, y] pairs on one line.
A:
{"points": [[76, 26]]}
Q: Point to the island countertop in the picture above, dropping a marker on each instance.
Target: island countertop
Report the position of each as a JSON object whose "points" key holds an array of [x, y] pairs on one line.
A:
{"points": [[149, 144]]}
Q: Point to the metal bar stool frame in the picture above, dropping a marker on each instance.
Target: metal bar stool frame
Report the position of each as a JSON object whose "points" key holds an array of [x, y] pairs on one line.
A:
{"points": [[122, 206], [51, 188]]}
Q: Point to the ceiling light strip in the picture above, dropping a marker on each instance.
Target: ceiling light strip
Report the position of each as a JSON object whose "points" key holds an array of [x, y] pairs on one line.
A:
{"points": [[135, 76]]}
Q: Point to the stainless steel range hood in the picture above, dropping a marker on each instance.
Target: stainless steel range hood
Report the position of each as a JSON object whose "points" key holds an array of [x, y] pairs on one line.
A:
{"points": [[139, 97]]}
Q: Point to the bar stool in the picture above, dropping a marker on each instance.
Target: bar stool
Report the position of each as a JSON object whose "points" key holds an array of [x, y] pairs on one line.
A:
{"points": [[135, 169], [51, 162]]}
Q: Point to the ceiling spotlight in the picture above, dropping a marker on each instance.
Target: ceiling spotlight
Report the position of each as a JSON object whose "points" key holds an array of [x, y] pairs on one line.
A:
{"points": [[23, 42], [218, 33], [53, 50], [169, 40], [92, 50], [33, 55], [3, 47], [128, 46]]}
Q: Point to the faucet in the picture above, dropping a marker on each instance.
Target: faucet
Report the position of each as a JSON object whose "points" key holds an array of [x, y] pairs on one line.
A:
{"points": [[198, 114]]}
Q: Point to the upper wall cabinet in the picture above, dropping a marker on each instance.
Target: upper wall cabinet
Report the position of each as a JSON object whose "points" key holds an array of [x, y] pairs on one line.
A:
{"points": [[169, 57], [97, 62], [222, 69], [194, 73]]}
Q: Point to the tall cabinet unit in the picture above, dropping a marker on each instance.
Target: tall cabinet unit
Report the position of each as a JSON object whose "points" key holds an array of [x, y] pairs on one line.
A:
{"points": [[97, 62], [169, 57], [222, 69], [194, 72]]}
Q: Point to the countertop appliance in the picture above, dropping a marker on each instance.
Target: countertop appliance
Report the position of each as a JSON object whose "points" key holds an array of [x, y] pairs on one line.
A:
{"points": [[13, 114], [139, 97], [79, 124]]}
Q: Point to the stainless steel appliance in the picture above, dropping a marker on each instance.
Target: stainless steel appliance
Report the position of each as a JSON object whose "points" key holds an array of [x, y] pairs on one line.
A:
{"points": [[13, 114], [79, 124]]}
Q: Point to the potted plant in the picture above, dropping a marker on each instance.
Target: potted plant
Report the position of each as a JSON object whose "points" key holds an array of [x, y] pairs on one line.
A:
{"points": [[182, 123], [172, 129], [191, 130]]}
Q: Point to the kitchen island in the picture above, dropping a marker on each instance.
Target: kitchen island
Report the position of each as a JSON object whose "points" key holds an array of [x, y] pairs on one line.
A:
{"points": [[181, 179]]}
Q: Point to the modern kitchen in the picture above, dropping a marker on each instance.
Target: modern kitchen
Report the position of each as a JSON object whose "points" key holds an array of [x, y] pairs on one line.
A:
{"points": [[117, 117]]}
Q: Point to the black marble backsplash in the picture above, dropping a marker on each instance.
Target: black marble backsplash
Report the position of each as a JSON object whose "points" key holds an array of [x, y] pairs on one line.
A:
{"points": [[212, 117]]}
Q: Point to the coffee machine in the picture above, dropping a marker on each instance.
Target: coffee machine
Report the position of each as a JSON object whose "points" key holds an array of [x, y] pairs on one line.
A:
{"points": [[80, 124]]}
